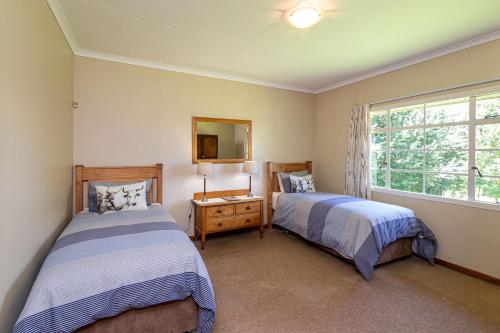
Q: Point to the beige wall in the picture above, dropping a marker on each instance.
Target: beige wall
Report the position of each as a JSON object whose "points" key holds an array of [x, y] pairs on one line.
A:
{"points": [[132, 115], [36, 144], [467, 236]]}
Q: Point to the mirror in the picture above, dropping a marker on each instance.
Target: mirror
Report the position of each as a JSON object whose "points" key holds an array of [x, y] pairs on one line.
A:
{"points": [[219, 140]]}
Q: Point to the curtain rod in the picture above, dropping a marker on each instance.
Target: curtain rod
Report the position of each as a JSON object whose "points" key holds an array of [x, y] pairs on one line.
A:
{"points": [[458, 86]]}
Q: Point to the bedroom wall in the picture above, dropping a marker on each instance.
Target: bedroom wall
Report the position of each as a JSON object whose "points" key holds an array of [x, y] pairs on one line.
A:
{"points": [[36, 145], [131, 115], [466, 235]]}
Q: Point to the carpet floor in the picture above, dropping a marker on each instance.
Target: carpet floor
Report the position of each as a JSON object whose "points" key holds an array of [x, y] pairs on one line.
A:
{"points": [[280, 284]]}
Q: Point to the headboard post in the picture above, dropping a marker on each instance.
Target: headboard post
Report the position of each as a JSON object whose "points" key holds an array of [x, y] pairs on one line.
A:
{"points": [[272, 169], [270, 185], [78, 188], [309, 167], [159, 184]]}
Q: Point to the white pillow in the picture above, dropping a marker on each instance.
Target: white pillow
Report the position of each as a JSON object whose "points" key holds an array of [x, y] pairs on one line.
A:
{"points": [[302, 184], [121, 198]]}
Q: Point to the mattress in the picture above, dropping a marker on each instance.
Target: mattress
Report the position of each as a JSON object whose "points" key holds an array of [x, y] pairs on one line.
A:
{"points": [[104, 265]]}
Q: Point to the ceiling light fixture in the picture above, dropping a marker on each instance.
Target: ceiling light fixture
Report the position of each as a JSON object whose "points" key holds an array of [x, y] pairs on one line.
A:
{"points": [[304, 15]]}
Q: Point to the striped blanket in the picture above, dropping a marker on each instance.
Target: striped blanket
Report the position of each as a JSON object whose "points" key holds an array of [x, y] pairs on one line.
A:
{"points": [[355, 228], [103, 265]]}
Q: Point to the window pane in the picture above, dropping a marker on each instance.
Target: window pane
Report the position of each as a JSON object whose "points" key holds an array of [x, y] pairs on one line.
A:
{"points": [[407, 139], [449, 111], [446, 161], [379, 141], [488, 189], [488, 136], [488, 162], [378, 119], [407, 160], [378, 177], [488, 106], [377, 159], [407, 181], [448, 186], [451, 137], [407, 116]]}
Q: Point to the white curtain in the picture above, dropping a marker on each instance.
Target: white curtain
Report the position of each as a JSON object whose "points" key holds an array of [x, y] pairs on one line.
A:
{"points": [[357, 177]]}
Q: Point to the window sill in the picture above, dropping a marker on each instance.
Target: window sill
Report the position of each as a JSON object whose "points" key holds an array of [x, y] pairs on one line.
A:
{"points": [[475, 204]]}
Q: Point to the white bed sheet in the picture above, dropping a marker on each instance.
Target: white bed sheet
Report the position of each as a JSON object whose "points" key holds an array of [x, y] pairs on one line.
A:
{"points": [[275, 198]]}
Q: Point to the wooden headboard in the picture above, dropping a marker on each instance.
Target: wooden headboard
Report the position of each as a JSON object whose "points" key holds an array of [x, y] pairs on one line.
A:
{"points": [[273, 183], [118, 174]]}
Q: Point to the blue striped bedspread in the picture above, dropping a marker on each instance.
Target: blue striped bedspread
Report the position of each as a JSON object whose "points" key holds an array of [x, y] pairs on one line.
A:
{"points": [[103, 265], [355, 228]]}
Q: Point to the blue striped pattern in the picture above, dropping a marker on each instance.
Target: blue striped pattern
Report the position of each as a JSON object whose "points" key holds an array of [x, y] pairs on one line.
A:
{"points": [[355, 228], [118, 230], [103, 265], [68, 317], [382, 234], [318, 213]]}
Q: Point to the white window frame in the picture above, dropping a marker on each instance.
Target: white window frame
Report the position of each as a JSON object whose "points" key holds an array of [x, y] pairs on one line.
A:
{"points": [[471, 174]]}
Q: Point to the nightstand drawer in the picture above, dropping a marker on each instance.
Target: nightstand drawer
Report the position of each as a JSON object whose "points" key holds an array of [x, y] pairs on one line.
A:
{"points": [[248, 207], [233, 222], [220, 211]]}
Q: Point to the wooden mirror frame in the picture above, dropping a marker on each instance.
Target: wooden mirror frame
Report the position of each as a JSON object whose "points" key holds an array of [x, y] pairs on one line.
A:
{"points": [[225, 121]]}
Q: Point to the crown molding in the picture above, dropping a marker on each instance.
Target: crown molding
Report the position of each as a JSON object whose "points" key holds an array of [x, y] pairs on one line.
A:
{"points": [[58, 12], [415, 60], [185, 70]]}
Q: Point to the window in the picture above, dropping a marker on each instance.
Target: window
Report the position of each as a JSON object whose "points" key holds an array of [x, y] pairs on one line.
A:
{"points": [[448, 148]]}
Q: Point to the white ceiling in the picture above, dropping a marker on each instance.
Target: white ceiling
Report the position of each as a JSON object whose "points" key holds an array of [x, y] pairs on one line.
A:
{"points": [[249, 40]]}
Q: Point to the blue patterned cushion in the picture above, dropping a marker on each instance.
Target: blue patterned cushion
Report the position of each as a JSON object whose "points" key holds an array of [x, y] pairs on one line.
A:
{"points": [[285, 179]]}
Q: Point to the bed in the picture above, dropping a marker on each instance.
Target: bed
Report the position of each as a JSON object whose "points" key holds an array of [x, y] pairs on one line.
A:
{"points": [[364, 232], [128, 271]]}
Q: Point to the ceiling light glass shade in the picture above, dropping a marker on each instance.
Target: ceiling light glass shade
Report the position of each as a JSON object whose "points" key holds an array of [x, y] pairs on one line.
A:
{"points": [[304, 15]]}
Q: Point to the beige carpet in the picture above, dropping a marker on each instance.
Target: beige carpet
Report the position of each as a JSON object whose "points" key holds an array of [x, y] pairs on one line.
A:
{"points": [[280, 284]]}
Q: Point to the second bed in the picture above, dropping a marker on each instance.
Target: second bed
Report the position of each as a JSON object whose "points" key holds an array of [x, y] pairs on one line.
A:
{"points": [[364, 232]]}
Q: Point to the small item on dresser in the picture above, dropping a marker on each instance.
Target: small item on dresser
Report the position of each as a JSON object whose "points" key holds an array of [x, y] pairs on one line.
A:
{"points": [[233, 198]]}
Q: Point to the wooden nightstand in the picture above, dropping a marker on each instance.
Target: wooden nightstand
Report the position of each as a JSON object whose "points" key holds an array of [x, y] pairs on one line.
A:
{"points": [[218, 215]]}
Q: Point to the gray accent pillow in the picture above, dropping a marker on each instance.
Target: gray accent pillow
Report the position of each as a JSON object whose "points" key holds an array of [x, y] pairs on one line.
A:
{"points": [[93, 192], [285, 179]]}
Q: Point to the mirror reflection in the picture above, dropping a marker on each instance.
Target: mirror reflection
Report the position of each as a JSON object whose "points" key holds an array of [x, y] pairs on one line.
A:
{"points": [[221, 140]]}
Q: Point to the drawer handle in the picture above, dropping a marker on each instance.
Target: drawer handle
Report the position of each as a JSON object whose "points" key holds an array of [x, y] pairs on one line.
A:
{"points": [[219, 211], [219, 224], [248, 208], [248, 221]]}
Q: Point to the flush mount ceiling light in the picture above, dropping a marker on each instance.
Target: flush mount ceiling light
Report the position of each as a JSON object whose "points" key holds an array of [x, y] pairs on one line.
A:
{"points": [[304, 15]]}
